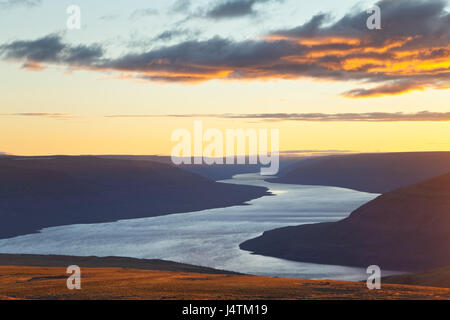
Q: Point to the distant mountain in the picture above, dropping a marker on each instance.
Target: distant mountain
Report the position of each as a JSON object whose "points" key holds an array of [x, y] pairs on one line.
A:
{"points": [[406, 229], [375, 173], [51, 191], [214, 172]]}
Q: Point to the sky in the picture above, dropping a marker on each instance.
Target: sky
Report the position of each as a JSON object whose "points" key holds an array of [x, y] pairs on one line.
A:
{"points": [[138, 70]]}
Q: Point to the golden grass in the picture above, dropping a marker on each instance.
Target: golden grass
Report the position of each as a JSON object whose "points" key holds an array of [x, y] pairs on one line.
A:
{"points": [[119, 283]]}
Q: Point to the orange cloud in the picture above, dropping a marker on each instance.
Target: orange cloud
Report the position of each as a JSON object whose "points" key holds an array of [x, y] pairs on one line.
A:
{"points": [[411, 52], [33, 66]]}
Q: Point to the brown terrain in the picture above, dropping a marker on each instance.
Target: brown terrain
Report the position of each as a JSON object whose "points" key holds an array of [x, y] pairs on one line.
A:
{"points": [[168, 281], [18, 282]]}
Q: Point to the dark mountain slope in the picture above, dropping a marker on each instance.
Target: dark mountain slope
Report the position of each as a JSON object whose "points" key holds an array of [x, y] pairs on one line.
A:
{"points": [[406, 229], [214, 172], [43, 192], [34, 260], [439, 277], [376, 172]]}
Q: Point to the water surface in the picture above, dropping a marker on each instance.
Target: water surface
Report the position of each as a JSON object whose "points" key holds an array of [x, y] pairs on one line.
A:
{"points": [[210, 237]]}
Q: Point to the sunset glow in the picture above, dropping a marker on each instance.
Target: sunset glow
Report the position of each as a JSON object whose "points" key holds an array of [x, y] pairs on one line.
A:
{"points": [[313, 63]]}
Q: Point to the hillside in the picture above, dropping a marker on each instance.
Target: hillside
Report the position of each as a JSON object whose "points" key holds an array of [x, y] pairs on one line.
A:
{"points": [[214, 172], [439, 277], [51, 191], [406, 229], [59, 261], [375, 173]]}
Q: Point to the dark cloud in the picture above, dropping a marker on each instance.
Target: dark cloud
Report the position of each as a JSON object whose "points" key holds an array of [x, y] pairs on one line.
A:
{"points": [[315, 117], [308, 30], [226, 9], [176, 33], [45, 49], [169, 34], [410, 52], [400, 19], [386, 89], [232, 9], [7, 4], [51, 49], [204, 59], [82, 54]]}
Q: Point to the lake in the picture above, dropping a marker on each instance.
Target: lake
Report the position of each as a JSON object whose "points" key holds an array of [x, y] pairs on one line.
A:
{"points": [[210, 237]]}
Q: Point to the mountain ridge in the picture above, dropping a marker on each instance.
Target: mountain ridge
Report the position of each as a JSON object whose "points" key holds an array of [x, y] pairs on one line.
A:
{"points": [[367, 172], [406, 230]]}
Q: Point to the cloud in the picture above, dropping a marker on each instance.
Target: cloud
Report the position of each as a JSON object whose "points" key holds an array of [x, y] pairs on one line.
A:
{"points": [[314, 151], [59, 116], [180, 6], [50, 49], [40, 114], [388, 89], [169, 34], [196, 61], [8, 4], [315, 117], [141, 13], [232, 9], [32, 66], [175, 33], [220, 9], [410, 52], [227, 9]]}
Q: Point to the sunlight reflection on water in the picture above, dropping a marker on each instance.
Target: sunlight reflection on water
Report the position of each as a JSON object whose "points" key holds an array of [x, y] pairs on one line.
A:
{"points": [[210, 237]]}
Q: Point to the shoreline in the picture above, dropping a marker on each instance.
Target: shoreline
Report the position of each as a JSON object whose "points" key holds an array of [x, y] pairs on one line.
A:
{"points": [[263, 193], [52, 260]]}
